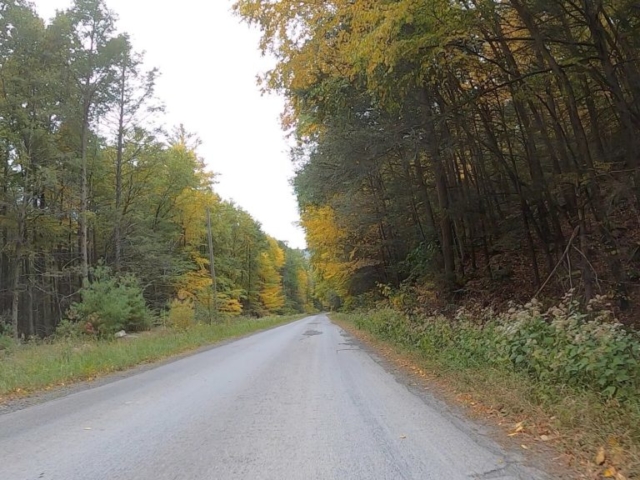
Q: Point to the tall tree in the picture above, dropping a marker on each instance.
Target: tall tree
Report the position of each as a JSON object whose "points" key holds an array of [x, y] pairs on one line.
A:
{"points": [[93, 49], [463, 143]]}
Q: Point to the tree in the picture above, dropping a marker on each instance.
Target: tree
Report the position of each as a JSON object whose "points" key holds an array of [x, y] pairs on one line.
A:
{"points": [[476, 144], [134, 99], [271, 289], [90, 183], [93, 50]]}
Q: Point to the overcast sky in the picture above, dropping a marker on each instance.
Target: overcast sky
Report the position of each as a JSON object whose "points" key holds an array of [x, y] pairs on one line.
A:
{"points": [[209, 62]]}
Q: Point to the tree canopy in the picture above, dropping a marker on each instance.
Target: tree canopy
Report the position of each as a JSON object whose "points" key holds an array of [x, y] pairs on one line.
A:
{"points": [[89, 178], [479, 146]]}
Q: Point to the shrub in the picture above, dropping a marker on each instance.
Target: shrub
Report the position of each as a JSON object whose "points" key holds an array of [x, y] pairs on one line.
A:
{"points": [[182, 315], [111, 303], [566, 346], [70, 330], [6, 343], [558, 347], [6, 329]]}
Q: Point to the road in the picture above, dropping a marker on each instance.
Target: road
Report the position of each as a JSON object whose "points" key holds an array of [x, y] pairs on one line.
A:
{"points": [[302, 401]]}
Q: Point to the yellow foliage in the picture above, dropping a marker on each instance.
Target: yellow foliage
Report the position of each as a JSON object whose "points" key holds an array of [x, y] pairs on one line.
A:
{"points": [[181, 314], [191, 208], [304, 288], [271, 290], [328, 244], [229, 306], [191, 284]]}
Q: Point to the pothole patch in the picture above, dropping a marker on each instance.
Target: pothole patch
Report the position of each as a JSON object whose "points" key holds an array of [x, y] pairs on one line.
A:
{"points": [[311, 333]]}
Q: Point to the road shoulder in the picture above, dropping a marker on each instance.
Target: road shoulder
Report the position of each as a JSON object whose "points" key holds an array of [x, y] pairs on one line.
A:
{"points": [[15, 403], [438, 394]]}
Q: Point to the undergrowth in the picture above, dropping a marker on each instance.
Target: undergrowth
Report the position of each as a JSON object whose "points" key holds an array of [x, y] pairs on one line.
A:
{"points": [[578, 373]]}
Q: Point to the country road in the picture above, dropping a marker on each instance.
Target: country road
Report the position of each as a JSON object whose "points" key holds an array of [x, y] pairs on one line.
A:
{"points": [[301, 401]]}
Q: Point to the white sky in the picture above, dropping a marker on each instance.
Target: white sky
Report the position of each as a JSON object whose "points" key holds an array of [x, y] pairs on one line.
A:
{"points": [[208, 62]]}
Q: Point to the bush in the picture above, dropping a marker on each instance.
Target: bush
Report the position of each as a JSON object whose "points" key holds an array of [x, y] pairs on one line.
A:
{"points": [[71, 330], [6, 343], [182, 315], [6, 329], [565, 346], [558, 347], [111, 303]]}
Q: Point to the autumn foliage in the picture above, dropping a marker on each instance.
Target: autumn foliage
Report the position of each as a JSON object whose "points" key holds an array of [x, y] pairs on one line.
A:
{"points": [[88, 177], [487, 148]]}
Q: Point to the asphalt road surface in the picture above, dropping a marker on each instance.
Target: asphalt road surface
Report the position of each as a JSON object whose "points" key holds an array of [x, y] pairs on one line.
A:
{"points": [[302, 401]]}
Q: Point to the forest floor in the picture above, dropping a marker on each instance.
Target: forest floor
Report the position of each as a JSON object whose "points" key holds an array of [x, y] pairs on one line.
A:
{"points": [[572, 435], [36, 372]]}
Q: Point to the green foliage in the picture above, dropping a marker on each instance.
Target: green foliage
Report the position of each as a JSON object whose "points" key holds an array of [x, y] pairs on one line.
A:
{"points": [[104, 165], [461, 141], [471, 354], [6, 342], [70, 330], [561, 347], [111, 303], [5, 326], [566, 347]]}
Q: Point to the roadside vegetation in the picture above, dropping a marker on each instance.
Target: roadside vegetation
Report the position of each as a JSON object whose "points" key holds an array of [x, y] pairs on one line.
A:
{"points": [[559, 375], [73, 356], [111, 328]]}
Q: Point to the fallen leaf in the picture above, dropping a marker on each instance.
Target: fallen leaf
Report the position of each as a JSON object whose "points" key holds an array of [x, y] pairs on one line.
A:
{"points": [[545, 438], [610, 472], [525, 447], [518, 428], [601, 456], [620, 476]]}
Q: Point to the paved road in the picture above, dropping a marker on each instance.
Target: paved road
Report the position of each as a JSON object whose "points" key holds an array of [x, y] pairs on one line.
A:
{"points": [[301, 401]]}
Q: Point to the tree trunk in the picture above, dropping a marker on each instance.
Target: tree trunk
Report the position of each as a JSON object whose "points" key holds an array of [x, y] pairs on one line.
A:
{"points": [[119, 156], [84, 199], [15, 293]]}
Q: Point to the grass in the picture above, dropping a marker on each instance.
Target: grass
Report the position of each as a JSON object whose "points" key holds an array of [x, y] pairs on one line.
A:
{"points": [[35, 367], [578, 423]]}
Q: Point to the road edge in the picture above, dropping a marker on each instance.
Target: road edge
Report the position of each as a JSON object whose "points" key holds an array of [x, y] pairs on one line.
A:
{"points": [[409, 373], [39, 397]]}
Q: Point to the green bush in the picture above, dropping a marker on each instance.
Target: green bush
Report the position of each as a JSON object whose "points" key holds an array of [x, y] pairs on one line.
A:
{"points": [[111, 303], [6, 329], [566, 346], [6, 343], [558, 347], [71, 330]]}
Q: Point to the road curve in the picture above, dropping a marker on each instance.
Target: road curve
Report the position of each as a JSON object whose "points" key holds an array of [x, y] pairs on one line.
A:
{"points": [[302, 401]]}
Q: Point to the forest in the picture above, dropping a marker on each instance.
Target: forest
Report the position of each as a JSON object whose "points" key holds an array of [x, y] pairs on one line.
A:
{"points": [[103, 208], [456, 150]]}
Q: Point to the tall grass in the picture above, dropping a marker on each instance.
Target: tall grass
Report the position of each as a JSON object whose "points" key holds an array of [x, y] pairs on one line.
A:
{"points": [[33, 367]]}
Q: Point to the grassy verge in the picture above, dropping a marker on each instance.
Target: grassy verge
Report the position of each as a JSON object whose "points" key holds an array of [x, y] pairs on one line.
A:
{"points": [[598, 435], [34, 367]]}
